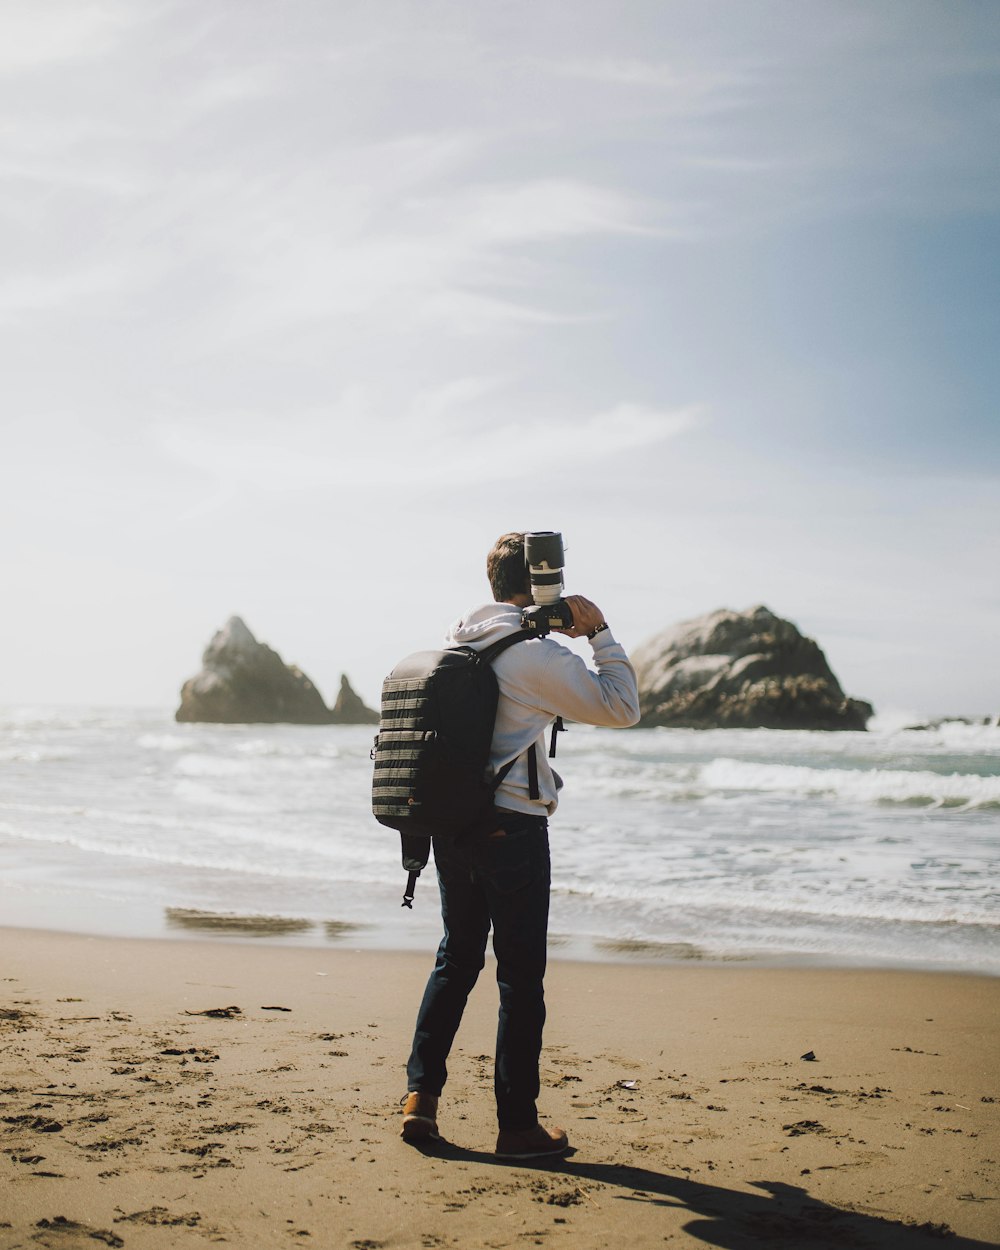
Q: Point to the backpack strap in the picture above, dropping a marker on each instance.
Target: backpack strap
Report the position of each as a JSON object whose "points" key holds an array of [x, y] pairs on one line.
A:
{"points": [[416, 852], [533, 791], [490, 653], [502, 772], [557, 728]]}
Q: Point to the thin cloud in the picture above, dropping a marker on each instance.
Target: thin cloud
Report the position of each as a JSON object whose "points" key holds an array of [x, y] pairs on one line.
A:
{"points": [[62, 293], [696, 88], [219, 92], [467, 313], [549, 208], [324, 247], [38, 35], [354, 447], [437, 403]]}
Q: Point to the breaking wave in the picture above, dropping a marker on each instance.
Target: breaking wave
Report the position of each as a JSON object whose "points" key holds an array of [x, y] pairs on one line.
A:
{"points": [[881, 785]]}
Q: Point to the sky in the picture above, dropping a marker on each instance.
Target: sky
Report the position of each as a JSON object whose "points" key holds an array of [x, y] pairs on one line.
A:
{"points": [[303, 305]]}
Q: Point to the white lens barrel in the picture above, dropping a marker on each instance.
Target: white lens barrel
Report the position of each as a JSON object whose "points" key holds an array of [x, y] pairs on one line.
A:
{"points": [[546, 583]]}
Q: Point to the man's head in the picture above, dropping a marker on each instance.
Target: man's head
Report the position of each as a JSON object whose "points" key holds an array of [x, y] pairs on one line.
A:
{"points": [[507, 568]]}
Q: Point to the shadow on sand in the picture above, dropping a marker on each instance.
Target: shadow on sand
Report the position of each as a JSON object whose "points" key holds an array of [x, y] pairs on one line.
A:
{"points": [[779, 1214]]}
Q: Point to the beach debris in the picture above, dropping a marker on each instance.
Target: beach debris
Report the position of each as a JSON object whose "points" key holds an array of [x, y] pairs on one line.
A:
{"points": [[40, 1123], [628, 1084], [200, 1054], [86, 1096], [576, 1194], [565, 1198], [277, 1108], [218, 1013], [201, 1149], [275, 1008], [809, 1056], [801, 1127], [114, 1143], [160, 1216]]}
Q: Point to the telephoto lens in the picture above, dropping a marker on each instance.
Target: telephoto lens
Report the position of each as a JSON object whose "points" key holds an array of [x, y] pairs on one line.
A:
{"points": [[543, 551], [544, 554]]}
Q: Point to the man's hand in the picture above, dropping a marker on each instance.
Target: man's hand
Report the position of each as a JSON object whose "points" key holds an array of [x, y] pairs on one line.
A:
{"points": [[586, 617]]}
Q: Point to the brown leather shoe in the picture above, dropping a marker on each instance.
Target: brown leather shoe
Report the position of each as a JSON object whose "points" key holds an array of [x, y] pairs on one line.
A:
{"points": [[531, 1143], [420, 1117]]}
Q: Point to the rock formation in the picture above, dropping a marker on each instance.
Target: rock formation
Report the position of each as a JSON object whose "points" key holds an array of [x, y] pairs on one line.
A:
{"points": [[244, 682], [741, 670], [349, 708]]}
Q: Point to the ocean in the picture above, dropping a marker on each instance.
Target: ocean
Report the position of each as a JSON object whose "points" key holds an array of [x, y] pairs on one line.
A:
{"points": [[878, 848]]}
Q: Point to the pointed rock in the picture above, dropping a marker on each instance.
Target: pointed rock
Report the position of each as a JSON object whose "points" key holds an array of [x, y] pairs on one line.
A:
{"points": [[244, 682], [349, 708], [744, 670]]}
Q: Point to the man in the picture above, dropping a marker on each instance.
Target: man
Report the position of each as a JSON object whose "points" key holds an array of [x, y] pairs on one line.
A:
{"points": [[499, 876]]}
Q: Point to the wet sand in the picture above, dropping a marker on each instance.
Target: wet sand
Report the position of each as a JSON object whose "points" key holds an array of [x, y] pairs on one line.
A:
{"points": [[173, 1093]]}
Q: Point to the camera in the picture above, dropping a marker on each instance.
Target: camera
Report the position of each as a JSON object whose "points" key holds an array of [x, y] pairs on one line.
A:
{"points": [[543, 552]]}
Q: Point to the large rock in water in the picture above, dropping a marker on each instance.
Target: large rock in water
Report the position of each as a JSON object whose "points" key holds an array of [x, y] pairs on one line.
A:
{"points": [[244, 682], [741, 670]]}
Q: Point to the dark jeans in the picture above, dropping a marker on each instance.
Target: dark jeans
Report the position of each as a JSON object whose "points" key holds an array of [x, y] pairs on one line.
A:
{"points": [[501, 881]]}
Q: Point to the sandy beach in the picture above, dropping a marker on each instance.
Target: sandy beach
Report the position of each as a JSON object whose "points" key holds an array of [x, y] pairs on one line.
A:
{"points": [[166, 1093]]}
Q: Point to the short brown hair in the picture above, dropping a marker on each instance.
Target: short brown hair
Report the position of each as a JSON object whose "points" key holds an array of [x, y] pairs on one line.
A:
{"points": [[507, 568]]}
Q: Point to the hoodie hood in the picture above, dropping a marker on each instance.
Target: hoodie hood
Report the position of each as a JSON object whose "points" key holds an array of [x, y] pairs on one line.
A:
{"points": [[484, 625]]}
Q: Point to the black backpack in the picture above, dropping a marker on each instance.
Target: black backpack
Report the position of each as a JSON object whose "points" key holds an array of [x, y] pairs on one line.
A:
{"points": [[432, 749]]}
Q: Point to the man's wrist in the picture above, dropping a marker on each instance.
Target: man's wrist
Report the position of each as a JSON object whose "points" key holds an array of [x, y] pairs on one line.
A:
{"points": [[598, 629]]}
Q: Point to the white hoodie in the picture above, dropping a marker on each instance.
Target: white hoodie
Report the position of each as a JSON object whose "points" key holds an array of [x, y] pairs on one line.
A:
{"points": [[539, 680]]}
